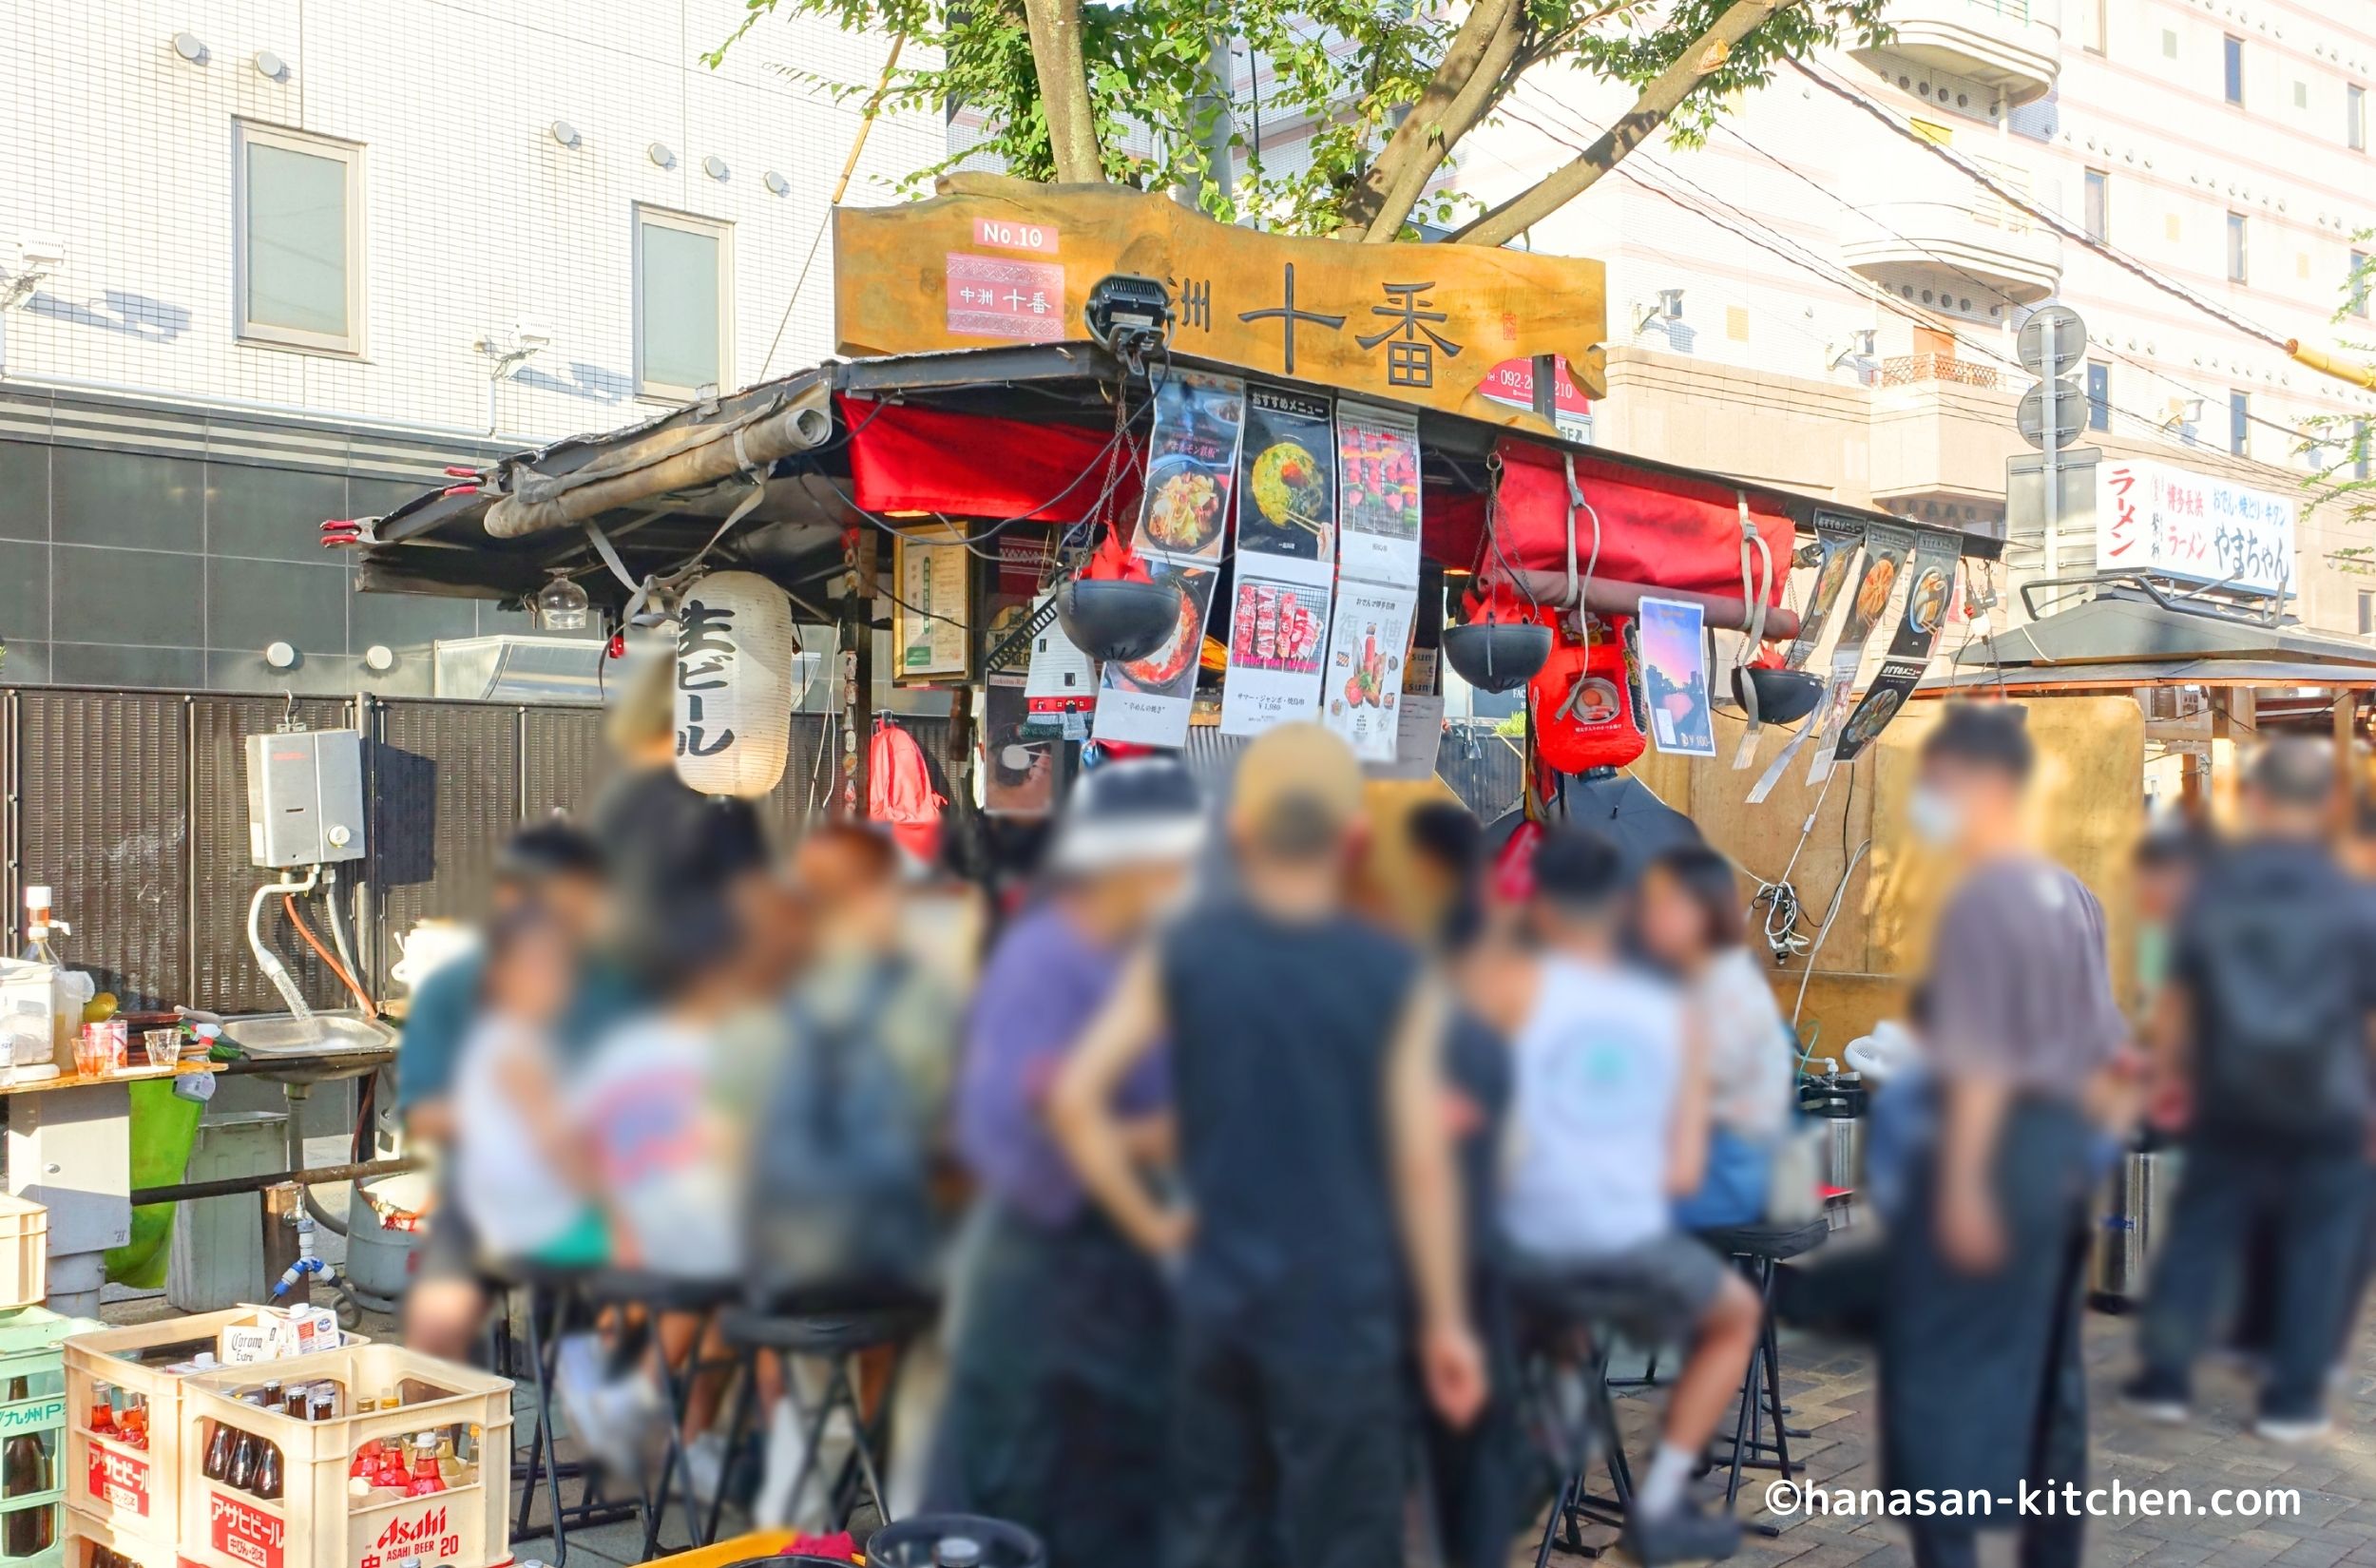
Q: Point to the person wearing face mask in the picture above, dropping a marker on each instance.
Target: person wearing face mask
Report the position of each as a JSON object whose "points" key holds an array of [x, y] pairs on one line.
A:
{"points": [[2021, 1032]]}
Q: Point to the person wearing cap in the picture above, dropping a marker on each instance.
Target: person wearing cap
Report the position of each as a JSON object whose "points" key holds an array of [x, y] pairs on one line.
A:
{"points": [[1982, 1384], [1055, 1416], [2262, 1051], [1321, 1210]]}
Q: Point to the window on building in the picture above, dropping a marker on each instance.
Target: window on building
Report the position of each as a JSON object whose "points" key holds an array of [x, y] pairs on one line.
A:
{"points": [[2355, 117], [2367, 613], [2358, 283], [2098, 395], [2091, 24], [2169, 43], [2237, 254], [683, 303], [2234, 52], [299, 228], [2095, 210], [2239, 424], [2359, 448]]}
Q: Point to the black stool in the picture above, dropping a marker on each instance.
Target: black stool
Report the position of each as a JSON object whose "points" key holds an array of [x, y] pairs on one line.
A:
{"points": [[660, 1296], [1566, 1327], [553, 1305], [1758, 1251], [840, 1337]]}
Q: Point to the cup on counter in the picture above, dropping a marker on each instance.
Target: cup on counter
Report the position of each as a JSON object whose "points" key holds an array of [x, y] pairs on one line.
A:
{"points": [[163, 1046], [101, 1048]]}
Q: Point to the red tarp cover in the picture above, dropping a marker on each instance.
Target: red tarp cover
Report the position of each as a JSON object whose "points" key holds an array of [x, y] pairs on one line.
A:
{"points": [[1661, 530], [905, 459]]}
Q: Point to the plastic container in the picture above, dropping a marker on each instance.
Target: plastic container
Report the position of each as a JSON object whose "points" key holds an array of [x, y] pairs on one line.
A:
{"points": [[135, 1492], [32, 1429], [317, 1522], [95, 1543], [24, 1252]]}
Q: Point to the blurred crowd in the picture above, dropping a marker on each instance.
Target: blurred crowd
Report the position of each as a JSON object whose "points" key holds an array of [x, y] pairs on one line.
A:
{"points": [[1253, 1181]]}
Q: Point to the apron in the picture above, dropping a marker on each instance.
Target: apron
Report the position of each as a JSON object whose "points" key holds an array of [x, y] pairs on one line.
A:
{"points": [[1981, 1381]]}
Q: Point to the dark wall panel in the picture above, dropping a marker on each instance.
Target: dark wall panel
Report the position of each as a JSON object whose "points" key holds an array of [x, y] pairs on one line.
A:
{"points": [[223, 976], [564, 760], [448, 782], [102, 818]]}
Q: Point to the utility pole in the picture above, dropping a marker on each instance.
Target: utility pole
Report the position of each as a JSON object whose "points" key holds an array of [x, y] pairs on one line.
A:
{"points": [[2053, 413]]}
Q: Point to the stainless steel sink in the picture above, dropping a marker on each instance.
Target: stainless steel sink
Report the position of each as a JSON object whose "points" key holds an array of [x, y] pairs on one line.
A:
{"points": [[315, 1050]]}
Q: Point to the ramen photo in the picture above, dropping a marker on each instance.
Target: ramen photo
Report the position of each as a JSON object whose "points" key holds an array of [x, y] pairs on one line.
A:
{"points": [[1184, 510], [1928, 604], [1290, 487]]}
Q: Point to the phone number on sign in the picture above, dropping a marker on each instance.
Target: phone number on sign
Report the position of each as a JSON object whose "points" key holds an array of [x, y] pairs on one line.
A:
{"points": [[1791, 1497]]}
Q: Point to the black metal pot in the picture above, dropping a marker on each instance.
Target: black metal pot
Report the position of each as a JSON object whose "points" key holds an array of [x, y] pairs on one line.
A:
{"points": [[1497, 655], [1111, 618], [1783, 696], [920, 1540]]}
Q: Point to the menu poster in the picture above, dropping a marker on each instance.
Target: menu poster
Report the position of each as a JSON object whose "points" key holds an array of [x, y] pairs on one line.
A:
{"points": [[1930, 589], [1885, 552], [1277, 638], [1362, 686], [1418, 737], [932, 616], [1286, 486], [1838, 540], [1675, 677], [1145, 702], [1377, 493], [1192, 467]]}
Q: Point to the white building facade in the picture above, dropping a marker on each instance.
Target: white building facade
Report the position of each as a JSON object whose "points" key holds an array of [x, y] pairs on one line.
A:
{"points": [[278, 261], [1817, 300]]}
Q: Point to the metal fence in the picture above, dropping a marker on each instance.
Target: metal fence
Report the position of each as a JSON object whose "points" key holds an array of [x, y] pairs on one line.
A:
{"points": [[132, 806]]}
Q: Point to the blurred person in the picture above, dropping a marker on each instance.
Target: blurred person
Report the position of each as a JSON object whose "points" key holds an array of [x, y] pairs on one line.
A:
{"points": [[1691, 923], [1055, 1418], [1608, 1127], [2262, 1038], [2359, 849], [1305, 1049], [1981, 1383], [2161, 874], [643, 809], [1432, 891], [558, 869]]}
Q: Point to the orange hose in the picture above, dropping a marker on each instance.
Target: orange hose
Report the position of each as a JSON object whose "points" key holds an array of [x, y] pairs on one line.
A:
{"points": [[370, 1008]]}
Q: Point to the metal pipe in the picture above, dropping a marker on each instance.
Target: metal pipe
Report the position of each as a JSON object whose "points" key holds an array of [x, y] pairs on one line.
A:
{"points": [[2358, 375], [190, 1191], [1605, 597]]}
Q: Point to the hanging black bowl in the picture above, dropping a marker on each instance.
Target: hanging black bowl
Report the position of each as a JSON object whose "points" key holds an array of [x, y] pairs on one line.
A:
{"points": [[1114, 619], [1497, 655], [921, 1541], [1783, 696]]}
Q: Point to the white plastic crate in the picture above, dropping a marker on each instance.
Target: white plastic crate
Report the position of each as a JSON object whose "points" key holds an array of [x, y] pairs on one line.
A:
{"points": [[24, 1252]]}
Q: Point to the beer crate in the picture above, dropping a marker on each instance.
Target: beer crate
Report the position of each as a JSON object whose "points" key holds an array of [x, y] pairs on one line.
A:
{"points": [[24, 1252], [136, 1492], [33, 1428], [93, 1543], [316, 1523]]}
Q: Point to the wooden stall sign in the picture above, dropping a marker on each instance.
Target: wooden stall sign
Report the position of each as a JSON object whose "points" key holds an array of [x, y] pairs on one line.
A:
{"points": [[992, 261]]}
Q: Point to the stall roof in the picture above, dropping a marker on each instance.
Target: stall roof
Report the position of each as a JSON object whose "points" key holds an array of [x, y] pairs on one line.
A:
{"points": [[2132, 633], [439, 542]]}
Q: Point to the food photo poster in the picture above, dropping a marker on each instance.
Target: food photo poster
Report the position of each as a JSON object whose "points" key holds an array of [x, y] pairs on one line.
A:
{"points": [[1145, 702], [1286, 485], [1277, 638], [1377, 493], [1192, 467], [1362, 687]]}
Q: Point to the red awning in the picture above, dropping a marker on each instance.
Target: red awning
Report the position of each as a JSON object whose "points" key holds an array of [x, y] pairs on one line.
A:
{"points": [[909, 459], [1661, 530]]}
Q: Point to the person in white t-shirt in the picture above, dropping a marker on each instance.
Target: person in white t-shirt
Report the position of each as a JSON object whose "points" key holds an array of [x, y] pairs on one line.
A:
{"points": [[1608, 1124]]}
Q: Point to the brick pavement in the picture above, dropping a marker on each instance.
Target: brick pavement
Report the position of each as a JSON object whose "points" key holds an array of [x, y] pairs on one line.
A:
{"points": [[1830, 1389]]}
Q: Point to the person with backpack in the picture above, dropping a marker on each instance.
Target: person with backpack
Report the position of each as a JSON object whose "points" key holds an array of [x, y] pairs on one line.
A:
{"points": [[1055, 1418], [2262, 1057]]}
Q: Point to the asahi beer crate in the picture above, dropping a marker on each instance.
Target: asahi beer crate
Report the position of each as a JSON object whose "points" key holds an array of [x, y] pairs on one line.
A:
{"points": [[326, 1516], [32, 1432], [24, 1252], [123, 1411]]}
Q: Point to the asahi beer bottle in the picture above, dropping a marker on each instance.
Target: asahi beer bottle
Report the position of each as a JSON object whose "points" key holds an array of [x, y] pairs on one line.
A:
{"points": [[217, 1466], [268, 1478], [23, 1472]]}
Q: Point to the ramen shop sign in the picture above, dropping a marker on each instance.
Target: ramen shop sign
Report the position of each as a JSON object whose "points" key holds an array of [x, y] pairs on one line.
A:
{"points": [[995, 262]]}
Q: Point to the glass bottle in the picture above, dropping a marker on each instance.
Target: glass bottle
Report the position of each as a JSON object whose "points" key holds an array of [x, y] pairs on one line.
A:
{"points": [[242, 1476], [218, 1447], [268, 1478], [102, 1410], [324, 1405], [426, 1481], [272, 1394], [292, 1401], [25, 1470]]}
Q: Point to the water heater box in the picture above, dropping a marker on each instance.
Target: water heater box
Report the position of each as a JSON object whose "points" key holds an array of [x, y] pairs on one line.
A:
{"points": [[304, 797]]}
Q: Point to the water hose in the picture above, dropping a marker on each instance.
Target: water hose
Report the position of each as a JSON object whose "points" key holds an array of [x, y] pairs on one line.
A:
{"points": [[266, 959]]}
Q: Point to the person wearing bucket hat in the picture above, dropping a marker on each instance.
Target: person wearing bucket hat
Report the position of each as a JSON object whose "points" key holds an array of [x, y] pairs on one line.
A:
{"points": [[1055, 1417], [1317, 1169]]}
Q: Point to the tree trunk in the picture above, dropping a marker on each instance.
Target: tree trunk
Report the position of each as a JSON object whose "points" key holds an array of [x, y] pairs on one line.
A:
{"points": [[1055, 27], [1658, 101], [1481, 52]]}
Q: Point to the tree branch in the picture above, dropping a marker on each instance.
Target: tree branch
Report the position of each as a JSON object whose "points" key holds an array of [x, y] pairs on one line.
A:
{"points": [[1704, 54], [1056, 56], [1481, 50]]}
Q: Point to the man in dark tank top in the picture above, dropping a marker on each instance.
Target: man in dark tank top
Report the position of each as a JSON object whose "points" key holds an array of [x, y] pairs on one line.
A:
{"points": [[1321, 1216]]}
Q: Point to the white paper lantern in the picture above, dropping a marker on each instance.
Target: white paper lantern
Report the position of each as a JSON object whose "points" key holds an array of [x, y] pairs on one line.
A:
{"points": [[734, 649]]}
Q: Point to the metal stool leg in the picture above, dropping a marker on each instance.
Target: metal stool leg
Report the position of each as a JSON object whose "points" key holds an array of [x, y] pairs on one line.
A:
{"points": [[671, 1453], [746, 1399]]}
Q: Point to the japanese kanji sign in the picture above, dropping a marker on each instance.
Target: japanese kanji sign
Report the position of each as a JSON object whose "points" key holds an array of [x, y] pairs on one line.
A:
{"points": [[994, 260], [2151, 517]]}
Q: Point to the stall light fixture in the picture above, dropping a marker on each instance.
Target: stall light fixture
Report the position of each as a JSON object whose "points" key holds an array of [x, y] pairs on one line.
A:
{"points": [[280, 656], [1668, 307], [560, 604]]}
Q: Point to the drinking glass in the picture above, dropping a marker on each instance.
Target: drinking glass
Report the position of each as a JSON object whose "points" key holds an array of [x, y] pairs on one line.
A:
{"points": [[163, 1046]]}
